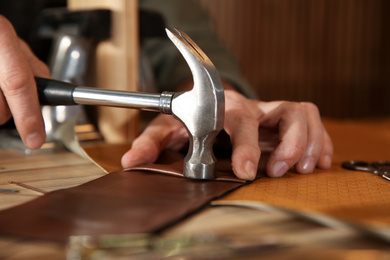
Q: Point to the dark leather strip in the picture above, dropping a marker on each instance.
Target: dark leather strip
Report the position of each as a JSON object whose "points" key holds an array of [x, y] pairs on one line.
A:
{"points": [[140, 201]]}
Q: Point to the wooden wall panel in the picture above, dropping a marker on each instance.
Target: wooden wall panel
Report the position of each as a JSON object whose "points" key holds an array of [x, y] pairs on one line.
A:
{"points": [[331, 52], [117, 65]]}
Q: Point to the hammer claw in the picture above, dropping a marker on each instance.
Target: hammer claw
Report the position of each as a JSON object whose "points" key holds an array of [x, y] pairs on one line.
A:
{"points": [[177, 34]]}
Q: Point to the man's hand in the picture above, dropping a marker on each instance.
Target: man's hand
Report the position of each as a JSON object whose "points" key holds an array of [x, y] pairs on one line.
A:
{"points": [[18, 96], [301, 138]]}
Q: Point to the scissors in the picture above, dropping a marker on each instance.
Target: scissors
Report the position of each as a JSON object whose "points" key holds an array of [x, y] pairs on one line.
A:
{"points": [[378, 168]]}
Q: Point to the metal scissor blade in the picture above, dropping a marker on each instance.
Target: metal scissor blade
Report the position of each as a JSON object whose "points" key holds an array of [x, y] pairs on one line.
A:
{"points": [[386, 176]]}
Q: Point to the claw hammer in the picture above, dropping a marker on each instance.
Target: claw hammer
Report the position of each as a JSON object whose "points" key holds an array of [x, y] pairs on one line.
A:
{"points": [[201, 110]]}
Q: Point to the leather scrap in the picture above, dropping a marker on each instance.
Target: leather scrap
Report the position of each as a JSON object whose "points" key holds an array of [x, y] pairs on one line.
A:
{"points": [[126, 202], [357, 199], [347, 195]]}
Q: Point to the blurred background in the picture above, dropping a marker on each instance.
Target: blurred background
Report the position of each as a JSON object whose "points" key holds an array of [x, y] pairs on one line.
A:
{"points": [[335, 53]]}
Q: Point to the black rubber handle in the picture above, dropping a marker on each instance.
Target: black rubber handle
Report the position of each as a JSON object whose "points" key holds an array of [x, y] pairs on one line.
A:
{"points": [[54, 92]]}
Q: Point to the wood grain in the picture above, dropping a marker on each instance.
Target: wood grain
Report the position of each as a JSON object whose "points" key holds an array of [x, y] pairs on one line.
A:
{"points": [[116, 65], [333, 53], [46, 171]]}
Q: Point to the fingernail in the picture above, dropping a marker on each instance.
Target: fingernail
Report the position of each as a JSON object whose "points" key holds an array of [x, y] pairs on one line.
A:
{"points": [[308, 165], [250, 170], [34, 140], [280, 168]]}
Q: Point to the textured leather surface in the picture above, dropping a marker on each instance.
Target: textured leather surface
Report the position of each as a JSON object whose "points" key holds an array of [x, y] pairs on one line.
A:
{"points": [[354, 197], [139, 201]]}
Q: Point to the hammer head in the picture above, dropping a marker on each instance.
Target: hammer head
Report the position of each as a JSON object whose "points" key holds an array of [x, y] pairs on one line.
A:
{"points": [[201, 109]]}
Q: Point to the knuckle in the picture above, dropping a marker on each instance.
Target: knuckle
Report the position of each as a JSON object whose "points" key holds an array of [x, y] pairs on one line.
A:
{"points": [[145, 144], [292, 106], [300, 108], [3, 21], [15, 83], [6, 29], [294, 151], [235, 125], [311, 107], [255, 150], [244, 117]]}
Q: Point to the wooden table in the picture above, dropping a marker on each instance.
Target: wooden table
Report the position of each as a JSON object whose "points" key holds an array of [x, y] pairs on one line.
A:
{"points": [[294, 238]]}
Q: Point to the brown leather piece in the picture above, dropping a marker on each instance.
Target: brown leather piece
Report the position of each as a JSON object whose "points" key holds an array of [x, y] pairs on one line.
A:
{"points": [[354, 197], [118, 203]]}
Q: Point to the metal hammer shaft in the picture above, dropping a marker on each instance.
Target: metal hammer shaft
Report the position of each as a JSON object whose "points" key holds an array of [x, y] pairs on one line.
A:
{"points": [[53, 92]]}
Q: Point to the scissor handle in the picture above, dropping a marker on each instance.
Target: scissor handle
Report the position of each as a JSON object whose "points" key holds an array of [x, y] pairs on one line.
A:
{"points": [[381, 168], [356, 165], [384, 166]]}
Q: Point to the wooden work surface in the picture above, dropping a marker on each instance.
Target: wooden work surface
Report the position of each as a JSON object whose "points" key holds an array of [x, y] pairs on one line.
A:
{"points": [[294, 238]]}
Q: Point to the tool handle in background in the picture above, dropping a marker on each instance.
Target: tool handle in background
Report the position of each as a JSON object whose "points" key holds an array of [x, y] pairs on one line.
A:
{"points": [[54, 93]]}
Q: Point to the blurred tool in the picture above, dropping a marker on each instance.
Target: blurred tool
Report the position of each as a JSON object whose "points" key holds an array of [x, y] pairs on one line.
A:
{"points": [[378, 168], [9, 191], [75, 35], [149, 246]]}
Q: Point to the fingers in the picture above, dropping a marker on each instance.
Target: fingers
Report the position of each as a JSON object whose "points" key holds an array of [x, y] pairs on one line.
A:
{"points": [[246, 151], [325, 160], [292, 136], [303, 140], [163, 132], [18, 87], [318, 142], [242, 123]]}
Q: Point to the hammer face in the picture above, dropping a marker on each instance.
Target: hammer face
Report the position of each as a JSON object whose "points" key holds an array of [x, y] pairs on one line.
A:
{"points": [[200, 162], [201, 110]]}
